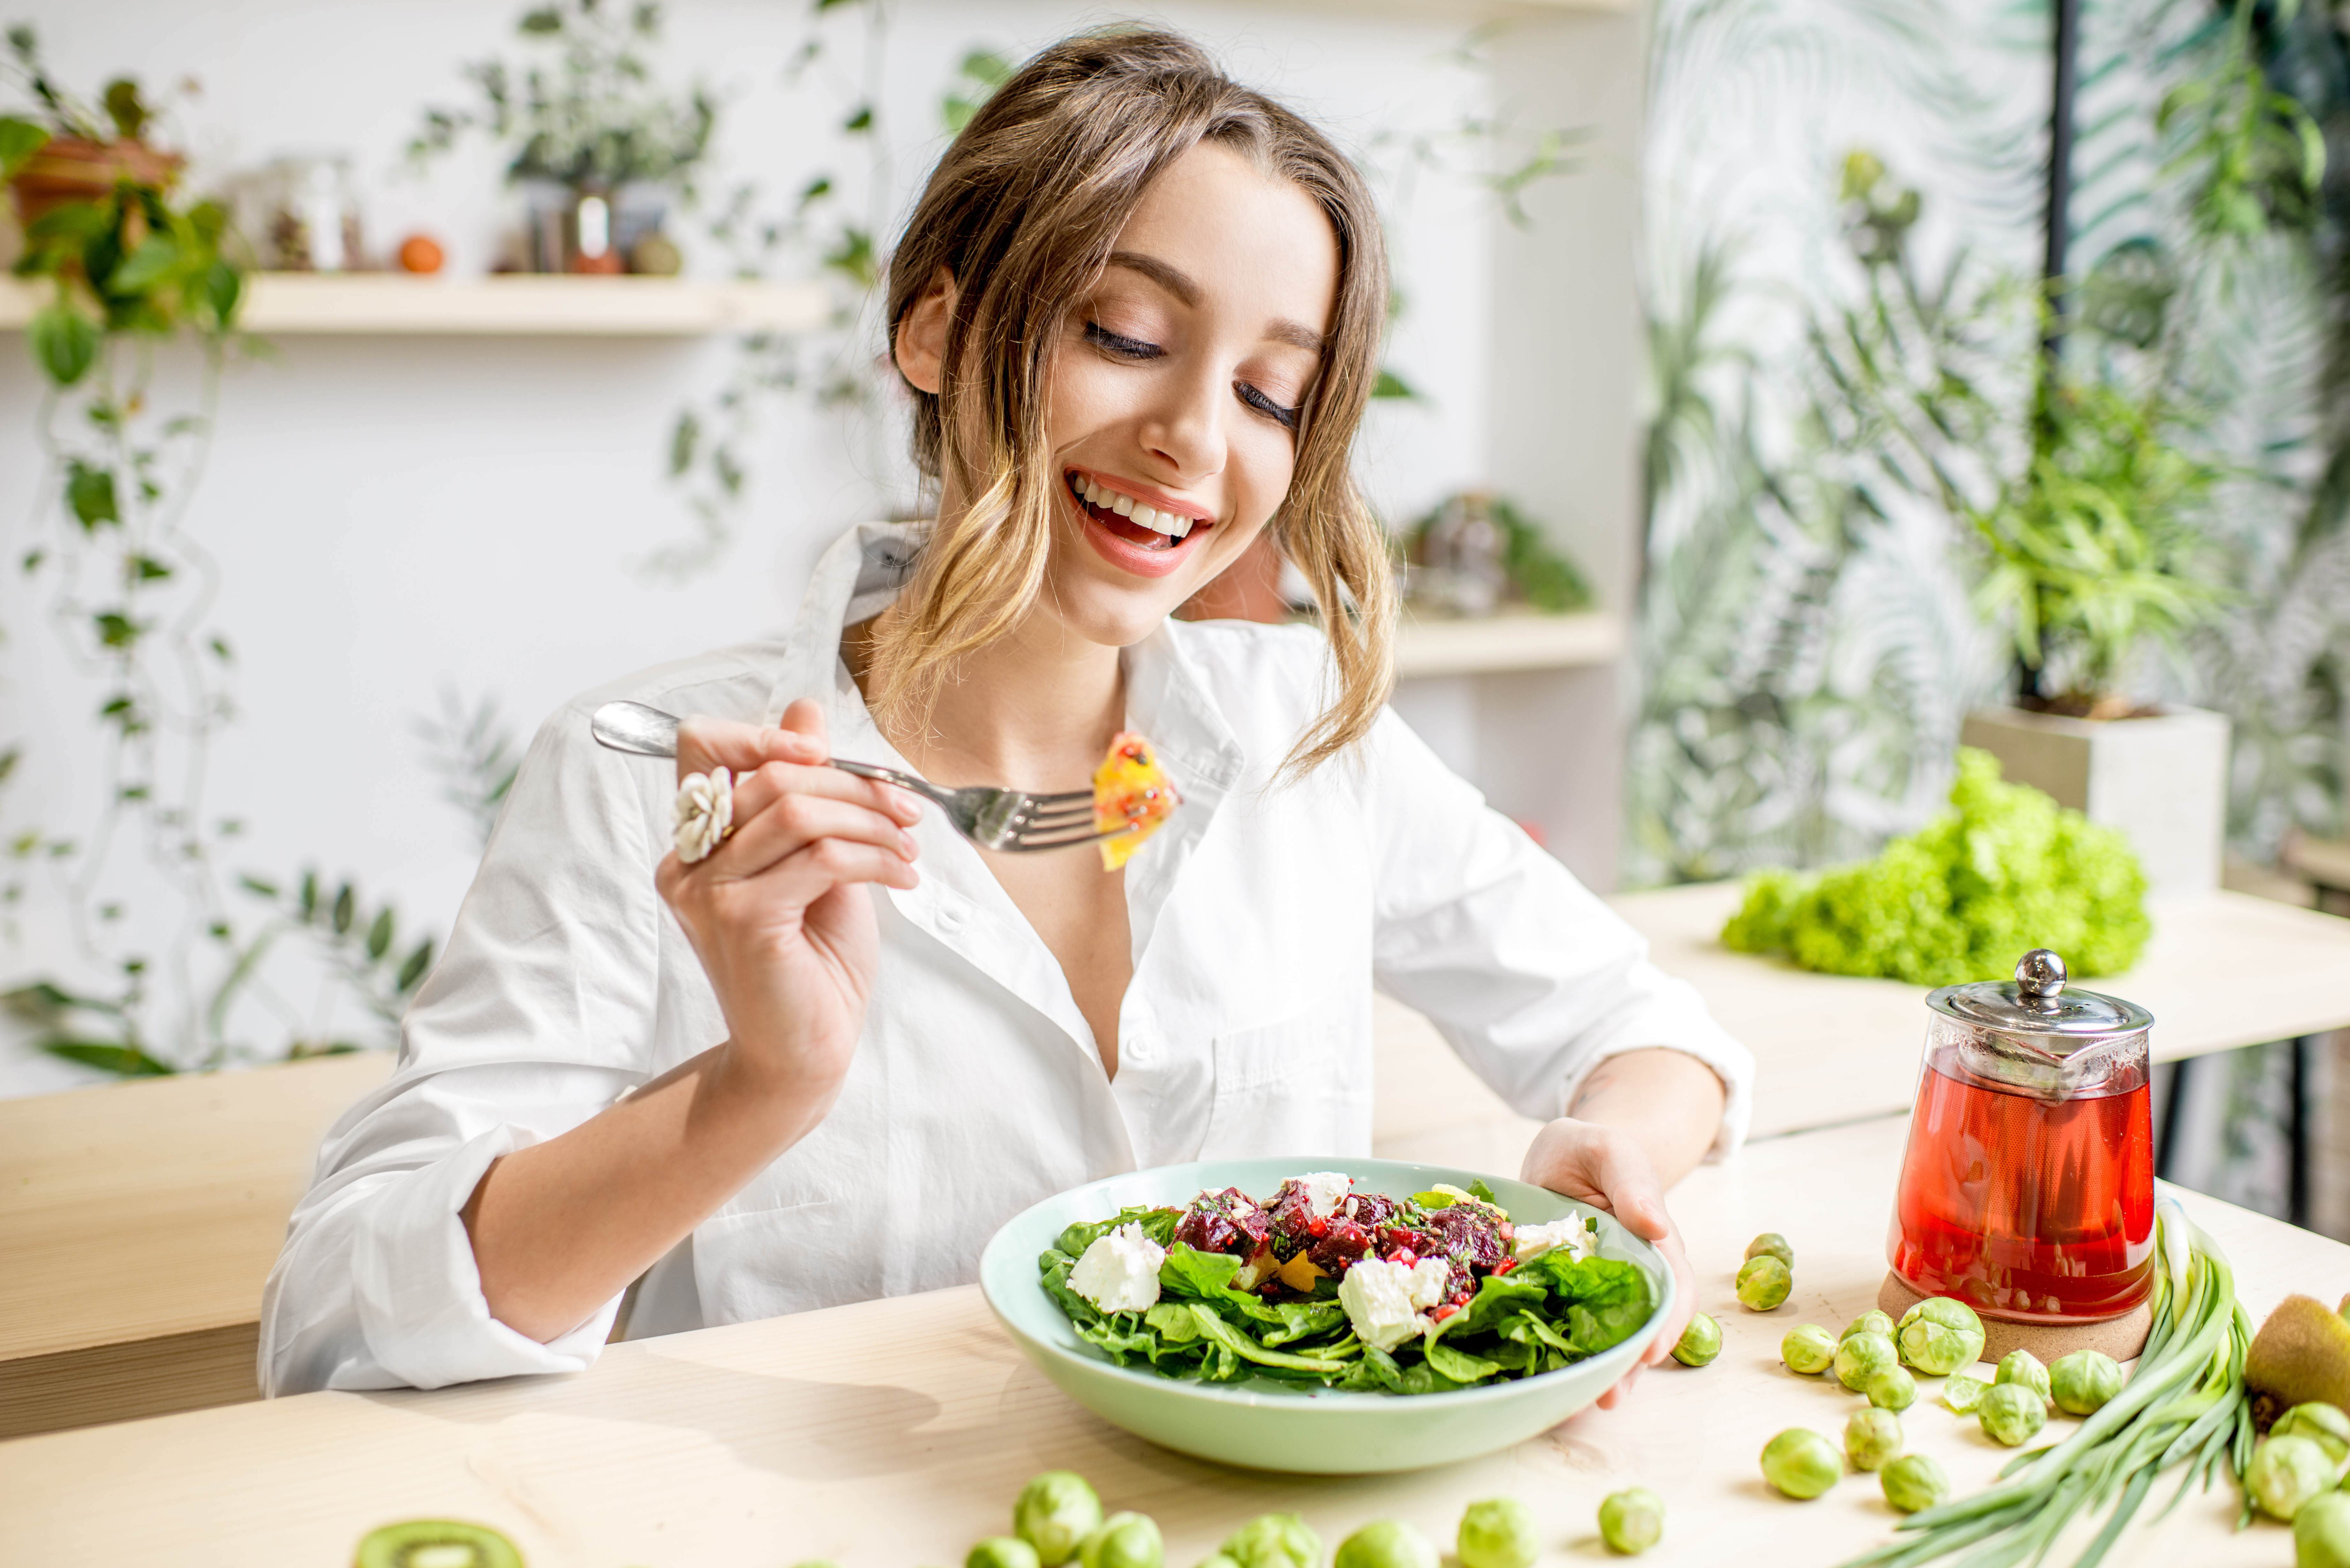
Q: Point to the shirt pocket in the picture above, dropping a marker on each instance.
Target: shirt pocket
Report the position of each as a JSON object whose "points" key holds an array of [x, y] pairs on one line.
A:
{"points": [[1300, 1087]]}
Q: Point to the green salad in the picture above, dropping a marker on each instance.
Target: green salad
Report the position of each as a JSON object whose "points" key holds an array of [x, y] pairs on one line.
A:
{"points": [[1324, 1284]]}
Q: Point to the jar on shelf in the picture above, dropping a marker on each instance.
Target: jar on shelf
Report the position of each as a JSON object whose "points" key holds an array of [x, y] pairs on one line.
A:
{"points": [[310, 215], [589, 229]]}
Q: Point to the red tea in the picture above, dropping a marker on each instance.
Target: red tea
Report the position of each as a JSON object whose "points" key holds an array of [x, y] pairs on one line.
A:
{"points": [[2027, 1208]]}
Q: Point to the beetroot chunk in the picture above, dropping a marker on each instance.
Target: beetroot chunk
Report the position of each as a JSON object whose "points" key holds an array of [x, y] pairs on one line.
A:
{"points": [[1223, 1221]]}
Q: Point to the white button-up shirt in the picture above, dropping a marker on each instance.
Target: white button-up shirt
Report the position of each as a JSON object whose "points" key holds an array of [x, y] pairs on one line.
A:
{"points": [[1262, 919]]}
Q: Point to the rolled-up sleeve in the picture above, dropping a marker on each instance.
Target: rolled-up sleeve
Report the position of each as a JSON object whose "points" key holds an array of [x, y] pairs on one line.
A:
{"points": [[1527, 973], [541, 1011]]}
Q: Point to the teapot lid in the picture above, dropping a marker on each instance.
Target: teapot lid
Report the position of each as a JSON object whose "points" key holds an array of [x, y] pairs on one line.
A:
{"points": [[2035, 1004]]}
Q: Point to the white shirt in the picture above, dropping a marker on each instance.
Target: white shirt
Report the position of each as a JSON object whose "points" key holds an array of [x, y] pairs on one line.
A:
{"points": [[1262, 919]]}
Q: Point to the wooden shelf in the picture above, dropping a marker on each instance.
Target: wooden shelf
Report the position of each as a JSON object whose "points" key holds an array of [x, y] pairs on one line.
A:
{"points": [[1506, 642], [516, 306]]}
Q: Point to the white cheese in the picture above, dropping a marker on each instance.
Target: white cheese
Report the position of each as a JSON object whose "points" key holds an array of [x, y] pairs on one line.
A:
{"points": [[1324, 1191], [1120, 1273], [1384, 1300], [1533, 1240]]}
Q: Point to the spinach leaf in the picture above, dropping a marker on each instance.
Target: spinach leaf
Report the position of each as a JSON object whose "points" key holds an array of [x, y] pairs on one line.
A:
{"points": [[1159, 1224], [1459, 1366], [1174, 1322], [1202, 1276], [1215, 1328]]}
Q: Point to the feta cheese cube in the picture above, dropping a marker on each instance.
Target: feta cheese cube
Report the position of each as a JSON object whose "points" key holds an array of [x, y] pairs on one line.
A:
{"points": [[1120, 1273], [1385, 1302], [1324, 1191], [1533, 1240]]}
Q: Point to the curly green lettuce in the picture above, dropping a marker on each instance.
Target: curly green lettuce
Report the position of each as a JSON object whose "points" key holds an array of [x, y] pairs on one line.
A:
{"points": [[2005, 870]]}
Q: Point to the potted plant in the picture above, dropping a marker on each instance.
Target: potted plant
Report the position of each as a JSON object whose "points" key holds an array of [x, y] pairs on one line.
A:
{"points": [[2092, 555], [597, 146]]}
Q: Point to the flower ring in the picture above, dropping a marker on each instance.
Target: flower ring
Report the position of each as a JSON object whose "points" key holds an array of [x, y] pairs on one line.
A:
{"points": [[704, 813]]}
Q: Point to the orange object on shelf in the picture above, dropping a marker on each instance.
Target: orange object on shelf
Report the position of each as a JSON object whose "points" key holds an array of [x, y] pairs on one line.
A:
{"points": [[1131, 791], [421, 255]]}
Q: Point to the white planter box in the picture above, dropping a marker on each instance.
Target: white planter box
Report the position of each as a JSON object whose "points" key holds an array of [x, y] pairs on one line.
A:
{"points": [[2163, 780]]}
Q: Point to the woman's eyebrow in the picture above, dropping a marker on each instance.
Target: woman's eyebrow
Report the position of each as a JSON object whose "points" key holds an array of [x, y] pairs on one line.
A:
{"points": [[1177, 281]]}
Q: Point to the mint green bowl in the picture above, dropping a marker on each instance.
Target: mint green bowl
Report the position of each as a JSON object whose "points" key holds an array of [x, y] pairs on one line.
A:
{"points": [[1270, 1425]]}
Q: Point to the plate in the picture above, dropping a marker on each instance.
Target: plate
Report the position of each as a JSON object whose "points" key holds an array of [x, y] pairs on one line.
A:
{"points": [[1267, 1425]]}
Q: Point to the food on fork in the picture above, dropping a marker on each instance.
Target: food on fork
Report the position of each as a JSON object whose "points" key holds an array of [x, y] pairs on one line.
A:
{"points": [[1131, 790]]}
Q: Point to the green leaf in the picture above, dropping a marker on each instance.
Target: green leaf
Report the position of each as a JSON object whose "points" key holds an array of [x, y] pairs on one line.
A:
{"points": [[1391, 385], [19, 139], [223, 291], [125, 108], [540, 22], [683, 438], [64, 343], [148, 569], [346, 905], [378, 936], [157, 257], [1460, 1365], [124, 1061], [89, 496], [258, 886], [116, 631], [414, 968], [1482, 1193]]}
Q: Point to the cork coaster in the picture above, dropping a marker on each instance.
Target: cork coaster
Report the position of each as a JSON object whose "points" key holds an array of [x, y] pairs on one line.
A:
{"points": [[2120, 1338]]}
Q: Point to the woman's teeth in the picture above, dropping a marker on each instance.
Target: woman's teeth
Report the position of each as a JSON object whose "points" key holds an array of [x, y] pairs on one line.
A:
{"points": [[1174, 525]]}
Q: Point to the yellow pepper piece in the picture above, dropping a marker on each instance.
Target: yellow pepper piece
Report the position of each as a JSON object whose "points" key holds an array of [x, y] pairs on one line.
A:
{"points": [[1131, 791]]}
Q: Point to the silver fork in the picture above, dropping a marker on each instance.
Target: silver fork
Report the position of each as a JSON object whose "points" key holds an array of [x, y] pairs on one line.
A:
{"points": [[1005, 819]]}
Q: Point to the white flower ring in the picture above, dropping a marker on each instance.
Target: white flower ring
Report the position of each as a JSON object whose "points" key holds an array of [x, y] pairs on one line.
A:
{"points": [[704, 813]]}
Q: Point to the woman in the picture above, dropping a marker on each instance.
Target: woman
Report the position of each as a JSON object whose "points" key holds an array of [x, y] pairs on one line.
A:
{"points": [[1138, 311]]}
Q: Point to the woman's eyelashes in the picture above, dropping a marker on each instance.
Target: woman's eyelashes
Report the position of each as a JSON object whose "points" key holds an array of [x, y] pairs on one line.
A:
{"points": [[1136, 350]]}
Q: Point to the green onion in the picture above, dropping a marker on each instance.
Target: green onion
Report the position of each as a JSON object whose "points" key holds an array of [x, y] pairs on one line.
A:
{"points": [[2185, 1401]]}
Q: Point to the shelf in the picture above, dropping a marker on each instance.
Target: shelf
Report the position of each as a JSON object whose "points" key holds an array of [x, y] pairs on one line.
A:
{"points": [[515, 306], [1507, 642]]}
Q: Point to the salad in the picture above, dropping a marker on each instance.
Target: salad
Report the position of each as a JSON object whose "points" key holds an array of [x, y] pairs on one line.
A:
{"points": [[1325, 1284]]}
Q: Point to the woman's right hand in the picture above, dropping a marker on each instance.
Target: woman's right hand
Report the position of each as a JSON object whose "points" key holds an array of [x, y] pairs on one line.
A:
{"points": [[776, 913]]}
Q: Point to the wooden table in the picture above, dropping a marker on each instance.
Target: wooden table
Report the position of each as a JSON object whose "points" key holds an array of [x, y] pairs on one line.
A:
{"points": [[896, 1432]]}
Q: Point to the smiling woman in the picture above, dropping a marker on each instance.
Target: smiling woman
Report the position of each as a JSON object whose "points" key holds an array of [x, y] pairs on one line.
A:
{"points": [[1136, 309]]}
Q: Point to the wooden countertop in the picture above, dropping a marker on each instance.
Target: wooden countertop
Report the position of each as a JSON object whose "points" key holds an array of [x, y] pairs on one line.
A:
{"points": [[896, 1432]]}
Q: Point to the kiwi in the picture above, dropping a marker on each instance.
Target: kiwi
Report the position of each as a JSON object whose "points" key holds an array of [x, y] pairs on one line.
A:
{"points": [[2302, 1353], [436, 1543]]}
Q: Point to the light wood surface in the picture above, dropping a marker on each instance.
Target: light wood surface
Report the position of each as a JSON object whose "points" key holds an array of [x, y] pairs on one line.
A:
{"points": [[520, 305], [896, 1432], [147, 1214], [1497, 644]]}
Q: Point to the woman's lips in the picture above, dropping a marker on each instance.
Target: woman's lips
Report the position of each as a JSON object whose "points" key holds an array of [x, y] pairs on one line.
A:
{"points": [[1131, 546]]}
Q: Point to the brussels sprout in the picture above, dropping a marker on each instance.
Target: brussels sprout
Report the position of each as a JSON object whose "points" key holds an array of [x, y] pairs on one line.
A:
{"points": [[1962, 1394], [1274, 1540], [1055, 1511], [1891, 1389], [1498, 1533], [2320, 1533], [1861, 1358], [1632, 1521], [1763, 1284], [1700, 1341], [1939, 1335], [1870, 1322], [2082, 1382], [2285, 1474], [1914, 1482], [1215, 1560], [1872, 1439], [1770, 1244], [2024, 1369], [1802, 1464], [1386, 1544], [1124, 1540], [2009, 1413], [2321, 1424], [1810, 1350], [1001, 1552]]}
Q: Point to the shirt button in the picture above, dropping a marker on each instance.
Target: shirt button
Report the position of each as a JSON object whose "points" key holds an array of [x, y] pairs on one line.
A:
{"points": [[1135, 1048]]}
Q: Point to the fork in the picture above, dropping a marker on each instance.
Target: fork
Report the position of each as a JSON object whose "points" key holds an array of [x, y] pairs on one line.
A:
{"points": [[1001, 819]]}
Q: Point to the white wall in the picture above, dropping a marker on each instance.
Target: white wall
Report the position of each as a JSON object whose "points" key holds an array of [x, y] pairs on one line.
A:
{"points": [[397, 516]]}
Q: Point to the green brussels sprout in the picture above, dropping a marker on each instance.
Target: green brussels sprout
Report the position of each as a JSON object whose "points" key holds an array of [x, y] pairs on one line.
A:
{"points": [[1870, 1322], [1872, 1439], [1770, 1244], [1939, 1335], [1863, 1356], [2286, 1473], [1124, 1540], [1801, 1464], [1763, 1284], [2321, 1424], [1632, 1521], [1055, 1511], [2082, 1382], [2320, 1533], [1274, 1540], [1700, 1341], [2023, 1368], [1810, 1350], [1962, 1394], [1216, 1560], [1891, 1389], [2009, 1413], [1914, 1482], [1001, 1552], [1386, 1544], [1498, 1533]]}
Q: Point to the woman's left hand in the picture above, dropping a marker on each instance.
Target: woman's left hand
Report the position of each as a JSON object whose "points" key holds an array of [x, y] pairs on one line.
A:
{"points": [[1607, 1168]]}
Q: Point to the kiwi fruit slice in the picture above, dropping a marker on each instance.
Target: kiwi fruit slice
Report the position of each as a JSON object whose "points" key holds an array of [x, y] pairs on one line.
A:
{"points": [[2302, 1355], [436, 1543]]}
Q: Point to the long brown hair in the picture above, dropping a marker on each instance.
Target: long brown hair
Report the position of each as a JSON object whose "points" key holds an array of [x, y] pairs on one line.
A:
{"points": [[1023, 211]]}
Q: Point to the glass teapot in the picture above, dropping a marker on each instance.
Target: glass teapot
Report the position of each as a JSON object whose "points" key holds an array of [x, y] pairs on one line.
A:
{"points": [[2028, 1188]]}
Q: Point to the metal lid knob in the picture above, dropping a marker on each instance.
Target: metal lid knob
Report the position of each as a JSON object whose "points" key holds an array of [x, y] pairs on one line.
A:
{"points": [[2040, 980], [2035, 1005]]}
